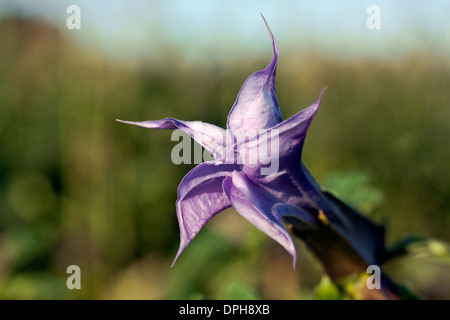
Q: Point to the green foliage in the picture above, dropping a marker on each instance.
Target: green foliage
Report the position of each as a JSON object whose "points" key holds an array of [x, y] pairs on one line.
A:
{"points": [[195, 270], [327, 290], [354, 188], [424, 248], [239, 291], [29, 286]]}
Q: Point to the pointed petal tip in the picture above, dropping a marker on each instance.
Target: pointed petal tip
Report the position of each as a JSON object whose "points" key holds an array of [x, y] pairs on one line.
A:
{"points": [[183, 245], [293, 252], [319, 99], [274, 43], [173, 263], [321, 93], [126, 122], [267, 25], [175, 259]]}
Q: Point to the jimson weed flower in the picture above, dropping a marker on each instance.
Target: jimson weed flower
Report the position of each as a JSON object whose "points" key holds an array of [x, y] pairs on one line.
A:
{"points": [[266, 196]]}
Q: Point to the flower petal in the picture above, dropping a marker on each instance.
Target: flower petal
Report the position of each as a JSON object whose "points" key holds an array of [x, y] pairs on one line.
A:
{"points": [[200, 197], [211, 137], [256, 106], [296, 216], [255, 205], [292, 132], [285, 187]]}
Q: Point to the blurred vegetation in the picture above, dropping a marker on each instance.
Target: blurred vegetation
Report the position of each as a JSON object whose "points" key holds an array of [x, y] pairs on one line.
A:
{"points": [[76, 187]]}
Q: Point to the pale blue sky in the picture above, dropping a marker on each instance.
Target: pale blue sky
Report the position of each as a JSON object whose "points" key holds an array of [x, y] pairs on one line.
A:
{"points": [[135, 29]]}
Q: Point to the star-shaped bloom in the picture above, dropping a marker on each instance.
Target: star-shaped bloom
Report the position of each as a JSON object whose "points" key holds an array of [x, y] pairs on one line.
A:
{"points": [[239, 177]]}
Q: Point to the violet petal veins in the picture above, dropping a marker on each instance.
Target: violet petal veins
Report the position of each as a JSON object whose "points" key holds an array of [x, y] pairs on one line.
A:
{"points": [[256, 106]]}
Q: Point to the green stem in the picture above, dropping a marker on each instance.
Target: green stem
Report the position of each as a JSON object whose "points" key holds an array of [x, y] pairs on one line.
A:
{"points": [[343, 264]]}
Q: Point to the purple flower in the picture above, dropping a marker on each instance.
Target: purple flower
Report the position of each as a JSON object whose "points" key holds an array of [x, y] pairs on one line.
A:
{"points": [[263, 197]]}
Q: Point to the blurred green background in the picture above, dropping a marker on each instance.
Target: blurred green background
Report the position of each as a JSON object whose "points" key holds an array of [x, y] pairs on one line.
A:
{"points": [[76, 187]]}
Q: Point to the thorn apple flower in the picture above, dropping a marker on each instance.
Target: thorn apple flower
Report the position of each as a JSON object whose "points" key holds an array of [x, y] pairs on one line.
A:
{"points": [[237, 176]]}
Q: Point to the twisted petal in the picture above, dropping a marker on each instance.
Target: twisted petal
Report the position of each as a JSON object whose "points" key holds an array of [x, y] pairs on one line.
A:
{"points": [[255, 204], [277, 148], [256, 106], [292, 131], [200, 197], [291, 136], [209, 136]]}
